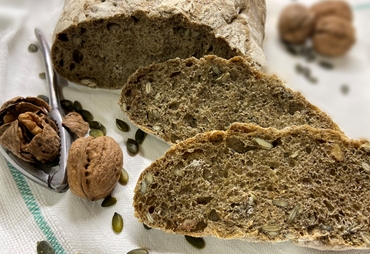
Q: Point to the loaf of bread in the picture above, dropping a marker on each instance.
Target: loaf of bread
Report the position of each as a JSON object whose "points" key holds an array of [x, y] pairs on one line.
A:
{"points": [[101, 43], [179, 98], [301, 184]]}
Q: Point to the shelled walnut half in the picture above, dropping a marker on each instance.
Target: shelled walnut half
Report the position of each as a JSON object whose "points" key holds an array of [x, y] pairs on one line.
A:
{"points": [[27, 131]]}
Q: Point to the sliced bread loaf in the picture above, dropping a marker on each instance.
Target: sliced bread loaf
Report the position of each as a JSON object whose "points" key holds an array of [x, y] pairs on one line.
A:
{"points": [[101, 43], [178, 99], [302, 184]]}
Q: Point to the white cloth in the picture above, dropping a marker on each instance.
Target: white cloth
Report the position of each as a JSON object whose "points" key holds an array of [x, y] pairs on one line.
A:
{"points": [[31, 213]]}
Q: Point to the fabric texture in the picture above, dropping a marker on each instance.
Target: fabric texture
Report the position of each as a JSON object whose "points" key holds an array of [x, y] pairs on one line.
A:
{"points": [[31, 213]]}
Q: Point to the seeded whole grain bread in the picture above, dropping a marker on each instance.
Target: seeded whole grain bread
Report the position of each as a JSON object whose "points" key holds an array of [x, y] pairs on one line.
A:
{"points": [[100, 43], [178, 99], [300, 184]]}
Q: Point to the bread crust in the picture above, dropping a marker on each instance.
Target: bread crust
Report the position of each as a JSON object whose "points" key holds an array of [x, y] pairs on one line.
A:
{"points": [[100, 43], [229, 184]]}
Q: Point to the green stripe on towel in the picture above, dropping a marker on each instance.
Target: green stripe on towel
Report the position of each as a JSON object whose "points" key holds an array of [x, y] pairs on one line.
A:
{"points": [[34, 208]]}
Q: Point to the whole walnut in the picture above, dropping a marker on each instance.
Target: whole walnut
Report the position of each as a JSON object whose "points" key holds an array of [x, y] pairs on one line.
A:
{"points": [[94, 166], [27, 131], [295, 23], [333, 36], [332, 8]]}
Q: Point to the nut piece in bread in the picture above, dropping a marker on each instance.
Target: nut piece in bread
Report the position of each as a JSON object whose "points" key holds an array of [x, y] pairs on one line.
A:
{"points": [[178, 99], [101, 43], [262, 184], [94, 166]]}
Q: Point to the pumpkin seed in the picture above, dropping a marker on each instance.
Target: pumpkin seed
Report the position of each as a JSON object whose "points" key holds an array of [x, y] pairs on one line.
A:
{"points": [[77, 106], [32, 48], [326, 65], [366, 147], [365, 166], [213, 215], [96, 133], [67, 105], [271, 228], [326, 227], [132, 146], [150, 218], [293, 214], [43, 97], [143, 187], [138, 251], [86, 115], [123, 179], [44, 247], [149, 178], [140, 136], [42, 75], [366, 238], [146, 227], [280, 202], [103, 129], [148, 87], [117, 223], [95, 125], [216, 70], [196, 242], [109, 201], [263, 143], [122, 126]]}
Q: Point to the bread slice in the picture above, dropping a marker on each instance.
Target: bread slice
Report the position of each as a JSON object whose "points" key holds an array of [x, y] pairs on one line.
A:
{"points": [[101, 43], [310, 186], [178, 99]]}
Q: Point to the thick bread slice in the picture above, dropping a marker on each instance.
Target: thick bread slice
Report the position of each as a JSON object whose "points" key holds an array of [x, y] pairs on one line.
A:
{"points": [[101, 43], [178, 99], [302, 184]]}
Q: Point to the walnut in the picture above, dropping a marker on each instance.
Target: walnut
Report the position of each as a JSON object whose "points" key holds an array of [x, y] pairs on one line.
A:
{"points": [[332, 8], [94, 166], [295, 23], [74, 122], [333, 36], [27, 131]]}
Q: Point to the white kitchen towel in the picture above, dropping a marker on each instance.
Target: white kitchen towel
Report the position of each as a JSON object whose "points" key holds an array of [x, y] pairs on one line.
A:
{"points": [[31, 213]]}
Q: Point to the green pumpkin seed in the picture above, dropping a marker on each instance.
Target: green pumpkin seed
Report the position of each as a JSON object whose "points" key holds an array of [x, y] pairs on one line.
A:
{"points": [[146, 227], [109, 201], [132, 146], [67, 105], [32, 48], [43, 97], [213, 215], [95, 125], [44, 247], [197, 242], [117, 223], [96, 133], [122, 126], [138, 251], [77, 106], [86, 115], [42, 75], [123, 179], [103, 129], [140, 136]]}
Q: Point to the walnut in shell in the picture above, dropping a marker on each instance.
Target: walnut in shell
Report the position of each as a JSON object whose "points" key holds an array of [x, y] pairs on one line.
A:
{"points": [[295, 23], [332, 8], [333, 36], [94, 166], [27, 131]]}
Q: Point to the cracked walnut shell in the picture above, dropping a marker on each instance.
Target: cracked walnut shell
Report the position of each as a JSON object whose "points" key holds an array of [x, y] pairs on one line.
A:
{"points": [[94, 167], [27, 131], [295, 23]]}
